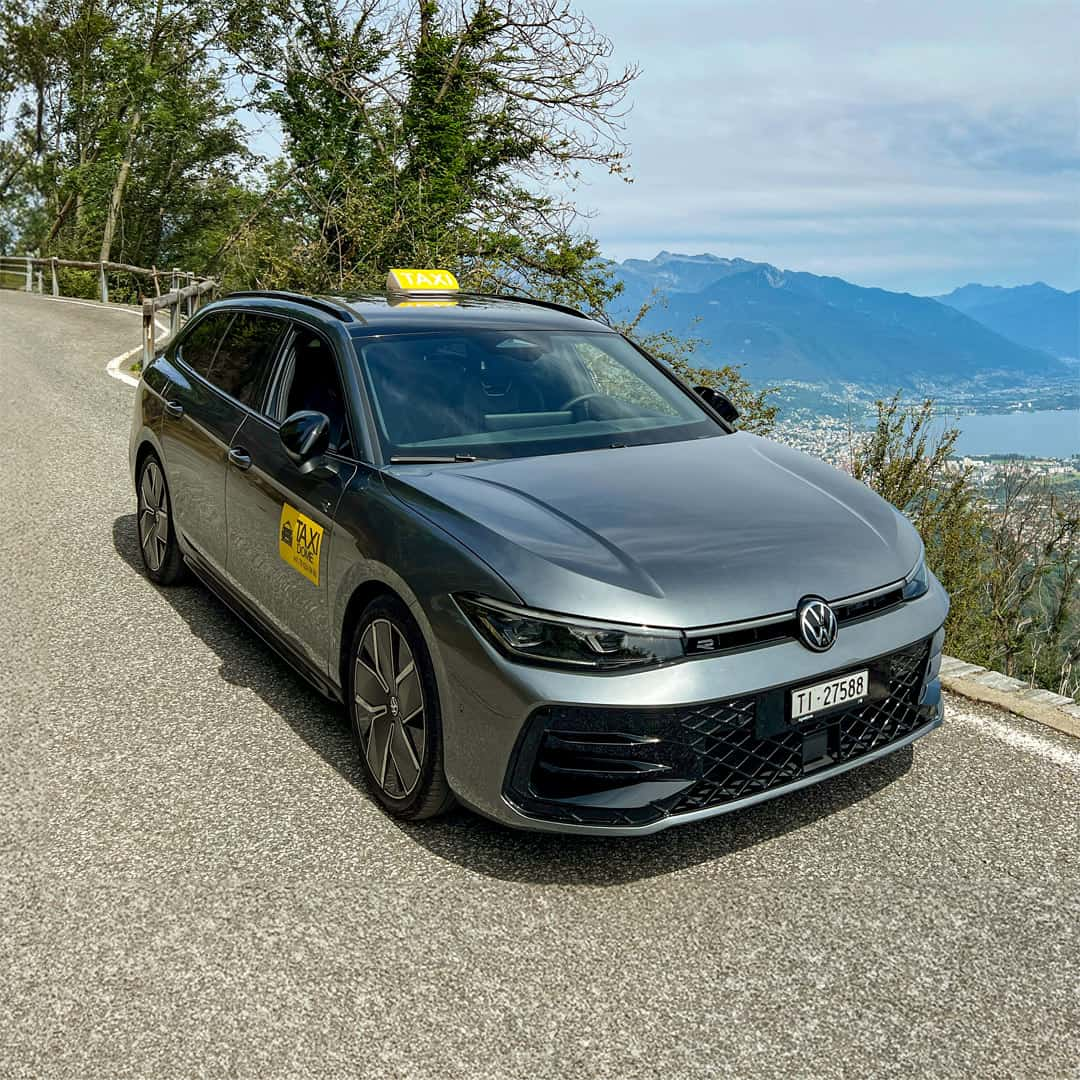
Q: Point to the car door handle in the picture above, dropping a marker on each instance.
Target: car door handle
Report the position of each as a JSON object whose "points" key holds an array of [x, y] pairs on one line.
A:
{"points": [[174, 409], [240, 458]]}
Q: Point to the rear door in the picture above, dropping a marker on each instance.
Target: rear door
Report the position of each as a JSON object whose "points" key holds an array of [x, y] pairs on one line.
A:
{"points": [[198, 426], [281, 518]]}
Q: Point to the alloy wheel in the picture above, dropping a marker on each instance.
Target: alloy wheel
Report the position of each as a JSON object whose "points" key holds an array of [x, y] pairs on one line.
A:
{"points": [[390, 710], [153, 516]]}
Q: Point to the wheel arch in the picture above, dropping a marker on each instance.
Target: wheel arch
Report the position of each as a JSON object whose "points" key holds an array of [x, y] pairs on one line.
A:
{"points": [[361, 596], [145, 443], [142, 452]]}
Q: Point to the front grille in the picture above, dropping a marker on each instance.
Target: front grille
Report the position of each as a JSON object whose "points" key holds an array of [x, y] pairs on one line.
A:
{"points": [[786, 629], [635, 766], [735, 761], [849, 611]]}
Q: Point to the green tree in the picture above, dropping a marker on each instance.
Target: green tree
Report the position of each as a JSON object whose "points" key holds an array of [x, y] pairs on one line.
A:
{"points": [[907, 460], [26, 84], [121, 131], [1031, 579], [439, 134], [416, 132], [1009, 555]]}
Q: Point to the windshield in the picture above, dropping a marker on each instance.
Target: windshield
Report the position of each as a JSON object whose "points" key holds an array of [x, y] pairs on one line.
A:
{"points": [[517, 393]]}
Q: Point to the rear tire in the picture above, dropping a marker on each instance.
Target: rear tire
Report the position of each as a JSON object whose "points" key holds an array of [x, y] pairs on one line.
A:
{"points": [[161, 558], [394, 711]]}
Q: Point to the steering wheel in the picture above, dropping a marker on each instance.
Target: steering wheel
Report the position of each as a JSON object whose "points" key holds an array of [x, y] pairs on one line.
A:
{"points": [[580, 399]]}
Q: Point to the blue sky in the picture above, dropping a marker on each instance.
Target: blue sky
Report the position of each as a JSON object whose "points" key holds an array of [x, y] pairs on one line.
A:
{"points": [[906, 144]]}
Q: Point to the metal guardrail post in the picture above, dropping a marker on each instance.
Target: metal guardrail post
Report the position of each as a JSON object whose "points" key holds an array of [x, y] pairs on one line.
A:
{"points": [[103, 283], [55, 280]]}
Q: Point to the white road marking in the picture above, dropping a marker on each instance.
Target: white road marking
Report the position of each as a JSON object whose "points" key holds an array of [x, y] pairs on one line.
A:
{"points": [[92, 303], [1019, 740], [115, 367], [118, 365]]}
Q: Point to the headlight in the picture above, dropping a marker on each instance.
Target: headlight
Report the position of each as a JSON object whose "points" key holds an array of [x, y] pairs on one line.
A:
{"points": [[541, 638], [918, 581]]}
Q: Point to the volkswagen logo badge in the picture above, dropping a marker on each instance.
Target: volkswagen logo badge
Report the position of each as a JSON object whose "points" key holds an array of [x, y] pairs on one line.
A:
{"points": [[817, 624]]}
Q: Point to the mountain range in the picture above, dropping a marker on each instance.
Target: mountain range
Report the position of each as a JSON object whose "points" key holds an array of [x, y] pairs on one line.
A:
{"points": [[790, 325], [1037, 315]]}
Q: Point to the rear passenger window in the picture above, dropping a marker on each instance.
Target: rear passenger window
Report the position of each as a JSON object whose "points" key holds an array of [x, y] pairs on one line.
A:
{"points": [[198, 348], [244, 357]]}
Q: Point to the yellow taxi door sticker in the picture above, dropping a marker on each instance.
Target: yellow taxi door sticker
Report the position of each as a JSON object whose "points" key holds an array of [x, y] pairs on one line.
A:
{"points": [[300, 542]]}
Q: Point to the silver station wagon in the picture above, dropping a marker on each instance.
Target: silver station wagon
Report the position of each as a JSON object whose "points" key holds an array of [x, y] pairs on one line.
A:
{"points": [[546, 578]]}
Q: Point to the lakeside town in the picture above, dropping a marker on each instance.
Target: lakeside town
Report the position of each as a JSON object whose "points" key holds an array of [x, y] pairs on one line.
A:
{"points": [[832, 438]]}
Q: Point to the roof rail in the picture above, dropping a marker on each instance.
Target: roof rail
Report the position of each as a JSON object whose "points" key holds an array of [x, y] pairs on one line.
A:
{"points": [[339, 311], [566, 309]]}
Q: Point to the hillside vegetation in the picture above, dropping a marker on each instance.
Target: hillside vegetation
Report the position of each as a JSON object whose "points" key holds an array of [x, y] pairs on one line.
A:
{"points": [[1011, 563], [415, 132]]}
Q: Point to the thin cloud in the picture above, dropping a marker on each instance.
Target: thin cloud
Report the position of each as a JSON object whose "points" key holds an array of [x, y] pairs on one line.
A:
{"points": [[922, 143]]}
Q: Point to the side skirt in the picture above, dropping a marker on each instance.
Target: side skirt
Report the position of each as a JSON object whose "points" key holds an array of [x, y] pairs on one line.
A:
{"points": [[229, 597]]}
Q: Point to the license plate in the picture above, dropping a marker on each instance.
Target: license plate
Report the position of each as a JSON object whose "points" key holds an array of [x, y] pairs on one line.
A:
{"points": [[843, 690]]}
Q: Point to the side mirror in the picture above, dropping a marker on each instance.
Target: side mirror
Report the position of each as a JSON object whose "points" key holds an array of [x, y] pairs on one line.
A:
{"points": [[305, 436], [719, 402]]}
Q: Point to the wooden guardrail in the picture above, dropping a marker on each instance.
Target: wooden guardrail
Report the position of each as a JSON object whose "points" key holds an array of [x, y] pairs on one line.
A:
{"points": [[186, 293], [32, 269], [189, 297]]}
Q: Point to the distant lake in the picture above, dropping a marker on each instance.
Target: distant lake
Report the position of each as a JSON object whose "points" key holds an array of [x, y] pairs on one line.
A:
{"points": [[1053, 433]]}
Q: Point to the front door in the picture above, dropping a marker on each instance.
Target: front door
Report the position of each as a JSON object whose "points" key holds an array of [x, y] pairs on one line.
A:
{"points": [[281, 519]]}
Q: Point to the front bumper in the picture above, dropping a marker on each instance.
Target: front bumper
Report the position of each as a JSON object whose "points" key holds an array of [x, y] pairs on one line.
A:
{"points": [[644, 768], [636, 753]]}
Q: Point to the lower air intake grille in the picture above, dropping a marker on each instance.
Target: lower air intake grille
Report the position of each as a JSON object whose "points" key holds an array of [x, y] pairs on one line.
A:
{"points": [[880, 722], [634, 766]]}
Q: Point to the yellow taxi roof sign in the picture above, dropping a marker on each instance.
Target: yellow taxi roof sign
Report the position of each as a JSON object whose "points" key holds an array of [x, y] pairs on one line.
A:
{"points": [[421, 283]]}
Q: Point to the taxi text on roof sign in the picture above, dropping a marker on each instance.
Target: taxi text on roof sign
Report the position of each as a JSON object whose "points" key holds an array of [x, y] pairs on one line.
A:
{"points": [[419, 282]]}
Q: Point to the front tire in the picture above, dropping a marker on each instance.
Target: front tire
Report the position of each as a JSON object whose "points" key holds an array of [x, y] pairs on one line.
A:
{"points": [[160, 552], [394, 709]]}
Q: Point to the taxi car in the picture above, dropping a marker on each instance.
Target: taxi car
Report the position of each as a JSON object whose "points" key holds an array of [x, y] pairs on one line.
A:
{"points": [[546, 578]]}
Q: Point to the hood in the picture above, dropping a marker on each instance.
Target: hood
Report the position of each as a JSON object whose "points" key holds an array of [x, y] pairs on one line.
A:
{"points": [[677, 534]]}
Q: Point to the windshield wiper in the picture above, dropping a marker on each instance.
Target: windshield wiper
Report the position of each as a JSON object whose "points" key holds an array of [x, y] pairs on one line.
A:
{"points": [[433, 459]]}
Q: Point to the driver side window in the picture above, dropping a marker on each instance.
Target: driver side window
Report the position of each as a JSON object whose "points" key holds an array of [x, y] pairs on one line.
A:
{"points": [[310, 380]]}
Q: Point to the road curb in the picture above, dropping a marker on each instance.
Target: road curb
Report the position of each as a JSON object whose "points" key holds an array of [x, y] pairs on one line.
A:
{"points": [[980, 684]]}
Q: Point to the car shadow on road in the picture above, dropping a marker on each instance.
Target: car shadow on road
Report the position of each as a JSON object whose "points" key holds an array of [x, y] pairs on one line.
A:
{"points": [[473, 842], [543, 858]]}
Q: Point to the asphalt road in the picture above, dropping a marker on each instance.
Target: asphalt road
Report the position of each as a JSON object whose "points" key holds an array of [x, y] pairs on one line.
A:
{"points": [[194, 882]]}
